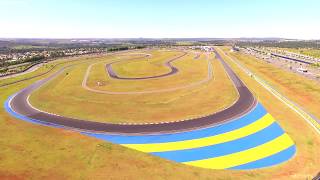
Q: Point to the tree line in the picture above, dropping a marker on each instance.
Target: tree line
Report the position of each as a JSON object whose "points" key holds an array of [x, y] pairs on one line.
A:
{"points": [[282, 44]]}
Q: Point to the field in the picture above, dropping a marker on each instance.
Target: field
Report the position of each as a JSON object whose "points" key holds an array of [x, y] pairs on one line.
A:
{"points": [[141, 67], [301, 90], [164, 106], [309, 52], [150, 67], [298, 88], [39, 152]]}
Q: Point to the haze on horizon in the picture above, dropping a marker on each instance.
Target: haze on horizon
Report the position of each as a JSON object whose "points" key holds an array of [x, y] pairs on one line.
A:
{"points": [[296, 19]]}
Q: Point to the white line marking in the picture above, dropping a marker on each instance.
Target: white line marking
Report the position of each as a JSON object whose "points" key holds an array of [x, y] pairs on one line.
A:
{"points": [[308, 118], [207, 79]]}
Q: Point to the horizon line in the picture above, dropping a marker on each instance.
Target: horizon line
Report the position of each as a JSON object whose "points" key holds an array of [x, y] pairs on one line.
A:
{"points": [[67, 38]]}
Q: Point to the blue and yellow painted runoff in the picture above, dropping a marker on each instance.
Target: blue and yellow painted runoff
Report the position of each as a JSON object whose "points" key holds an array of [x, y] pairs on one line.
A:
{"points": [[253, 141]]}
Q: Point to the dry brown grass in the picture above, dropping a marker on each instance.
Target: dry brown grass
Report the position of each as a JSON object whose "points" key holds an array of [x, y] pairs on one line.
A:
{"points": [[169, 106], [37, 152], [150, 66], [190, 71], [306, 162], [301, 90]]}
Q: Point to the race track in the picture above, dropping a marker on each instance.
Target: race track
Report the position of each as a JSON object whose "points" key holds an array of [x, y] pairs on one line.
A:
{"points": [[20, 105], [241, 137], [168, 64], [162, 90]]}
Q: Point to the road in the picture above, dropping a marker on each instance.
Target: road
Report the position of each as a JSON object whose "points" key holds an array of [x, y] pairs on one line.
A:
{"points": [[21, 108], [191, 85], [174, 70], [30, 69], [310, 119], [71, 59], [291, 59]]}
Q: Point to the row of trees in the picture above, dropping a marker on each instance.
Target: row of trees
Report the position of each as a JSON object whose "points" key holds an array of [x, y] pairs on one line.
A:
{"points": [[29, 59], [282, 44], [54, 54], [123, 48], [3, 70]]}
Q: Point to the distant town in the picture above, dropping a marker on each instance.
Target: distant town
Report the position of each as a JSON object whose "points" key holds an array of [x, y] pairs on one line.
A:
{"points": [[21, 61], [18, 55]]}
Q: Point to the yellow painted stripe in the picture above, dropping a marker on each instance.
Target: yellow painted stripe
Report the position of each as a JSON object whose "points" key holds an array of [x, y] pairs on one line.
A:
{"points": [[256, 126], [272, 147]]}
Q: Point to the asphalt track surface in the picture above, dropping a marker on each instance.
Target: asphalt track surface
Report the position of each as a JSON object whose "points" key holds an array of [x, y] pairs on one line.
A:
{"points": [[37, 75], [191, 85], [41, 74], [291, 59], [174, 70], [32, 77], [19, 104], [29, 69], [287, 58]]}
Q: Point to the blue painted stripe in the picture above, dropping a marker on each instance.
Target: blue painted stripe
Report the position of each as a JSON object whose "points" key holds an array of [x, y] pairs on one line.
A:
{"points": [[269, 161], [267, 134], [25, 118], [257, 113], [273, 130]]}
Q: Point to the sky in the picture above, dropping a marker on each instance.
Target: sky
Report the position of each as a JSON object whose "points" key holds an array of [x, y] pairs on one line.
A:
{"points": [[298, 19]]}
